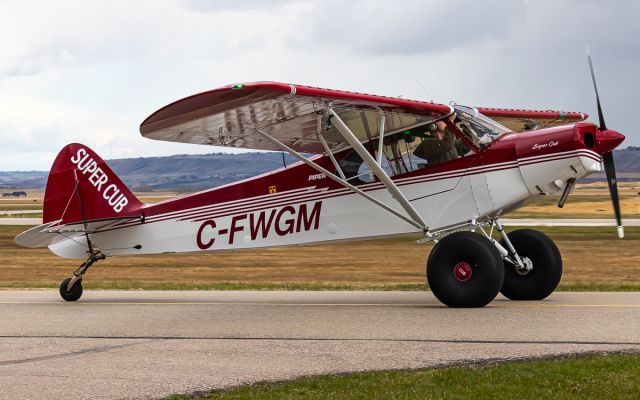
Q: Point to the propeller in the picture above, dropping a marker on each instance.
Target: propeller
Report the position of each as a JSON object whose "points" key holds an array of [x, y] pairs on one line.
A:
{"points": [[607, 158]]}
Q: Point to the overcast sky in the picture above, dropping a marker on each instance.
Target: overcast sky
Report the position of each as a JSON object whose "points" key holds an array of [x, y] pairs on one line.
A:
{"points": [[91, 71]]}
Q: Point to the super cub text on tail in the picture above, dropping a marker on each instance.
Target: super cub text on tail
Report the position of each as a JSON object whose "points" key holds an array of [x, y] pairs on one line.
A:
{"points": [[379, 166]]}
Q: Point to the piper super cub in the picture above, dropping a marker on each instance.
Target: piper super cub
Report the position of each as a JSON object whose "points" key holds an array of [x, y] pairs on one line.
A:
{"points": [[379, 166]]}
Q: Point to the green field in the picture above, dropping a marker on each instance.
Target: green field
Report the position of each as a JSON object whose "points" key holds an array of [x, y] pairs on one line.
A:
{"points": [[590, 377]]}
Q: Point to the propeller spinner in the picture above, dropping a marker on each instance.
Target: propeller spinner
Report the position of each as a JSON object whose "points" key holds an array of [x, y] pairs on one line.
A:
{"points": [[607, 140]]}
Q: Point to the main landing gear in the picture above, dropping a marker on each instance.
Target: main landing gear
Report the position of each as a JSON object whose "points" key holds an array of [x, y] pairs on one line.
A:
{"points": [[543, 266], [71, 288], [466, 269]]}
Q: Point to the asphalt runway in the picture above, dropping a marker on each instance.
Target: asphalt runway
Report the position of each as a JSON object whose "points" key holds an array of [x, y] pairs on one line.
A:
{"points": [[140, 344], [10, 212], [20, 221]]}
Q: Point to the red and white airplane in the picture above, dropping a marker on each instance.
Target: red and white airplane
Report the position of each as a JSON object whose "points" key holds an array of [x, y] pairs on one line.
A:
{"points": [[380, 166]]}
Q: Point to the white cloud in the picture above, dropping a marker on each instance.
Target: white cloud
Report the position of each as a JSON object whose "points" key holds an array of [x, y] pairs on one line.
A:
{"points": [[92, 71], [405, 27]]}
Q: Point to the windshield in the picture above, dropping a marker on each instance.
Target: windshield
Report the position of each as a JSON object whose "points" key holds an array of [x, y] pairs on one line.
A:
{"points": [[480, 129]]}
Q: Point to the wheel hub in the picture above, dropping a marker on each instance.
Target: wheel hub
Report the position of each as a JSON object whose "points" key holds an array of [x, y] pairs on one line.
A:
{"points": [[462, 271], [528, 266]]}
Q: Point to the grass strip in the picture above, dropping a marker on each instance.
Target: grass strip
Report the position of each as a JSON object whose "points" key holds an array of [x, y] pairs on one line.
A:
{"points": [[586, 377]]}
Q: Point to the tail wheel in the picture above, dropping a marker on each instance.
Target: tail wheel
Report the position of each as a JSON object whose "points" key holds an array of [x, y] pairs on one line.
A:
{"points": [[538, 249], [72, 294], [465, 270]]}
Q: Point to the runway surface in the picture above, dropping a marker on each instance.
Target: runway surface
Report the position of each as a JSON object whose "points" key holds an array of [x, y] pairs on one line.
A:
{"points": [[20, 221], [118, 344], [12, 212]]}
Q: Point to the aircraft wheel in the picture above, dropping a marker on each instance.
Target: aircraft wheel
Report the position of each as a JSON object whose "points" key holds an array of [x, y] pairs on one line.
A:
{"points": [[465, 269], [74, 294], [538, 249]]}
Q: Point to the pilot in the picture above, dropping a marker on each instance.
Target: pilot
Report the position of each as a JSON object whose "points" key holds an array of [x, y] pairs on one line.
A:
{"points": [[439, 146]]}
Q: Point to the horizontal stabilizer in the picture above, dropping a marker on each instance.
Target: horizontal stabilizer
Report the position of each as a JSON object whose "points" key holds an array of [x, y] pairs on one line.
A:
{"points": [[36, 237], [47, 234]]}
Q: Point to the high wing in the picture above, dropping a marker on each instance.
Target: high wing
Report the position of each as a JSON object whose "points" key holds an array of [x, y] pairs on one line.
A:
{"points": [[526, 120], [293, 114]]}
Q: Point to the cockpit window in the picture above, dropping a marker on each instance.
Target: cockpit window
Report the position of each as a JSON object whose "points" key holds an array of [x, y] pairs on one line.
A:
{"points": [[396, 159], [425, 145], [355, 169], [478, 128]]}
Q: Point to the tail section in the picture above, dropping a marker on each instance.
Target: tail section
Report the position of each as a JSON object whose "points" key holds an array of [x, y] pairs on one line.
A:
{"points": [[82, 187]]}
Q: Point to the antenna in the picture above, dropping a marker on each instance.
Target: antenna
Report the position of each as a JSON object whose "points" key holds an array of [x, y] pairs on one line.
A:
{"points": [[419, 83]]}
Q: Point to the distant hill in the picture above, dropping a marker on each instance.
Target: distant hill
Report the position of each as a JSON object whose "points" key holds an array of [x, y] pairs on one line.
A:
{"points": [[175, 173], [196, 172], [627, 166], [23, 179]]}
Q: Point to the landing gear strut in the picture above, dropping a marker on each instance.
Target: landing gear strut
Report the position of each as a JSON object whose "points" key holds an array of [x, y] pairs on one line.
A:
{"points": [[532, 262], [71, 288], [467, 269], [543, 266]]}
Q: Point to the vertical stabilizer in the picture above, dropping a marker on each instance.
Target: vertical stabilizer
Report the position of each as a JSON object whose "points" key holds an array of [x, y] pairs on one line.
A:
{"points": [[82, 187]]}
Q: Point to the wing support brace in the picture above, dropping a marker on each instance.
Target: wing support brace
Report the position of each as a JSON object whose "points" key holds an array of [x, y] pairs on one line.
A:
{"points": [[328, 150], [346, 133], [381, 139], [337, 179]]}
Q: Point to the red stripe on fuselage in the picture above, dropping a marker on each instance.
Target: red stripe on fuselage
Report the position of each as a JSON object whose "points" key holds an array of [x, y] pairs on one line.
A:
{"points": [[309, 194]]}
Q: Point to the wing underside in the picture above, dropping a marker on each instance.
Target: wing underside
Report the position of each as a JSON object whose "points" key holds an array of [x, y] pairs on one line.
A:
{"points": [[526, 120], [295, 115]]}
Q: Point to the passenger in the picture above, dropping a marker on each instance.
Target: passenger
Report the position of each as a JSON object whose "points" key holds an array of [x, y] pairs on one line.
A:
{"points": [[438, 147]]}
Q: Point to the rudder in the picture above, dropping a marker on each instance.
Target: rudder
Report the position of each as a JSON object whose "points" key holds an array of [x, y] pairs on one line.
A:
{"points": [[82, 187]]}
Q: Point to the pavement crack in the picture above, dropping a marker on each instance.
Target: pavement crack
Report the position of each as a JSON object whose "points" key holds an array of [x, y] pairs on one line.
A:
{"points": [[329, 339], [91, 350], [107, 378]]}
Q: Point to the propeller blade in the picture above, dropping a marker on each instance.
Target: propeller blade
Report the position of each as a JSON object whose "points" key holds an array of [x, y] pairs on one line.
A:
{"points": [[610, 170], [603, 126]]}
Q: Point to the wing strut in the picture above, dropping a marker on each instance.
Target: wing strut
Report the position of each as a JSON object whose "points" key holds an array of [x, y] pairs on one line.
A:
{"points": [[381, 140], [332, 176], [377, 169], [328, 150]]}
